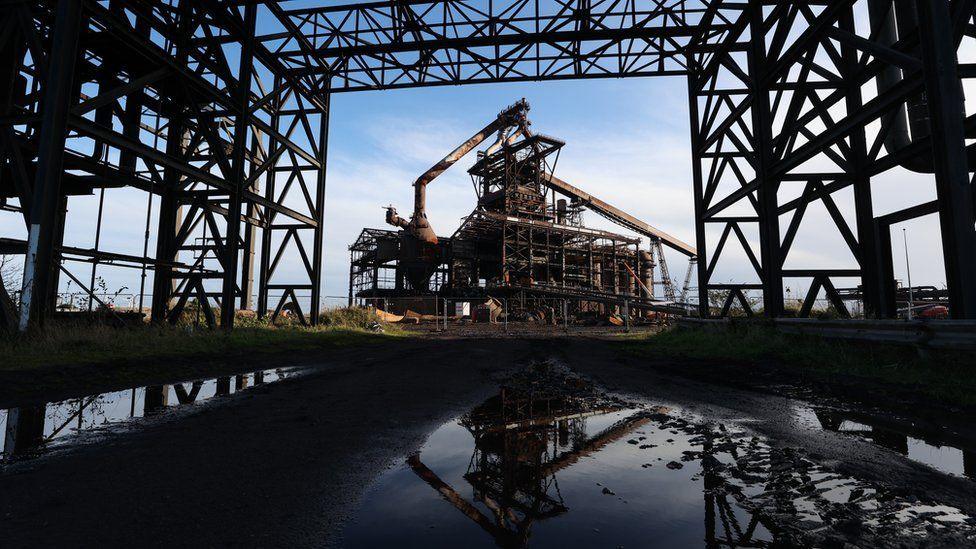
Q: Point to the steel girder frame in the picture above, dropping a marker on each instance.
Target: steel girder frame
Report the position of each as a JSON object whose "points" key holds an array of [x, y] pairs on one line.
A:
{"points": [[301, 174], [400, 44], [778, 106], [40, 198], [773, 87], [152, 96], [268, 133]]}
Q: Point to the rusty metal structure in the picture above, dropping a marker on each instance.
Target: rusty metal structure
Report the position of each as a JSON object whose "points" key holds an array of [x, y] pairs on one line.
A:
{"points": [[219, 111], [524, 440], [520, 243], [514, 465]]}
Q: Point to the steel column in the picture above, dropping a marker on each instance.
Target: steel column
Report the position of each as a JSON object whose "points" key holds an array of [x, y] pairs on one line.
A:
{"points": [[264, 266], [953, 186], [40, 260], [239, 177], [317, 251], [169, 204], [250, 240], [696, 161], [872, 281], [769, 238]]}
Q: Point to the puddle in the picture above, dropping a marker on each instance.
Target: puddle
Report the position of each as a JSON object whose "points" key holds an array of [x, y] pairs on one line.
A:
{"points": [[934, 450], [30, 429], [536, 466]]}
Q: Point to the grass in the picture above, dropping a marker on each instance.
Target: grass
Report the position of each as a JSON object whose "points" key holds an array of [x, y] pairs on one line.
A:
{"points": [[71, 345], [940, 375]]}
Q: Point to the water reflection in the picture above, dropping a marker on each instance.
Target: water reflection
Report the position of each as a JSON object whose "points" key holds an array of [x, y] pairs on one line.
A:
{"points": [[933, 449], [28, 429], [576, 462], [573, 467], [520, 442]]}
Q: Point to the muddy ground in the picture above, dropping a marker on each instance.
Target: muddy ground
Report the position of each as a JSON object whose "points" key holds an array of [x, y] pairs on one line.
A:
{"points": [[286, 464]]}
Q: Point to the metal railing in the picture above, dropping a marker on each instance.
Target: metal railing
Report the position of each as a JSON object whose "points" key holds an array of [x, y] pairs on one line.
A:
{"points": [[957, 335]]}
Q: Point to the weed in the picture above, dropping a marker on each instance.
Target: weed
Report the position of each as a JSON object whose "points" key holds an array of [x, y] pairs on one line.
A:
{"points": [[942, 375], [60, 345]]}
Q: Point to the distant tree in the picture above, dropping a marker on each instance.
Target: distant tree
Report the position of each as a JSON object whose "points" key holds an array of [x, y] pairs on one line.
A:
{"points": [[9, 273], [10, 280], [716, 298]]}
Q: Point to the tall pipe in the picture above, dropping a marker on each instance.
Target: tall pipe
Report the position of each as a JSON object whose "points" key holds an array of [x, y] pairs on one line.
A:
{"points": [[882, 16], [894, 20], [561, 211], [647, 272], [418, 226]]}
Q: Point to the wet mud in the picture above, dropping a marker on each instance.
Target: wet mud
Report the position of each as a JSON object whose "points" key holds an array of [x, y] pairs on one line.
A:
{"points": [[31, 429], [436, 444], [554, 461]]}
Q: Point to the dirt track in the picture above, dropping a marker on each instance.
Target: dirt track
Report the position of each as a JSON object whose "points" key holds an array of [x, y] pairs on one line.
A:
{"points": [[285, 464]]}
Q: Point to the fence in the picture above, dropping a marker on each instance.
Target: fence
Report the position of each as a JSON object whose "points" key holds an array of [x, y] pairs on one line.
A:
{"points": [[79, 301], [552, 315]]}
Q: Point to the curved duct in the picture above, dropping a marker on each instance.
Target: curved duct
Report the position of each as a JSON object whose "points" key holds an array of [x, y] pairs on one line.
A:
{"points": [[393, 219], [909, 122], [418, 226]]}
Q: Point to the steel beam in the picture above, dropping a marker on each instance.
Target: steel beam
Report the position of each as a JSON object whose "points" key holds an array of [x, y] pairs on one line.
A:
{"points": [[40, 261], [768, 185], [239, 175], [953, 186], [396, 45]]}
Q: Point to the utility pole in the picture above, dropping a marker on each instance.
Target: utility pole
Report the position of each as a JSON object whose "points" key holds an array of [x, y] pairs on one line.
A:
{"points": [[908, 269]]}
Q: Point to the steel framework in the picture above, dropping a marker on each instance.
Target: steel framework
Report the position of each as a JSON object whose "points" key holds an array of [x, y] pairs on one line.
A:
{"points": [[179, 100], [220, 111], [780, 109]]}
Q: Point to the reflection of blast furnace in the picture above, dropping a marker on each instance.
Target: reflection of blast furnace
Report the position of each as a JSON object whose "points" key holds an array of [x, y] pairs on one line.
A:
{"points": [[521, 441]]}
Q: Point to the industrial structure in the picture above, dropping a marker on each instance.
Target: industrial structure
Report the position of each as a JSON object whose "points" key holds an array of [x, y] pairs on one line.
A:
{"points": [[219, 112], [520, 243], [521, 445], [525, 438]]}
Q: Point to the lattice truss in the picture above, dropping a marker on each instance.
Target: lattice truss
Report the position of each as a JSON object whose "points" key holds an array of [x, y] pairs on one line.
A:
{"points": [[372, 262], [798, 105], [381, 45]]}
